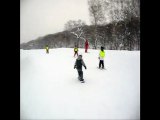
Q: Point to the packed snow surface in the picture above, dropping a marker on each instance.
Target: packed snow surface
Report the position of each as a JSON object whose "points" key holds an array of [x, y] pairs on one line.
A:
{"points": [[49, 88]]}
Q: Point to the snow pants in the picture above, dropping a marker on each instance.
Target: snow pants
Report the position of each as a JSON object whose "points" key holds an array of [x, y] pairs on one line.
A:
{"points": [[75, 52], [101, 62], [47, 51], [86, 48], [80, 75]]}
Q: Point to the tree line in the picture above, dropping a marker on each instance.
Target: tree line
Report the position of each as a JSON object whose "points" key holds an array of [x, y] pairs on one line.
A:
{"points": [[115, 24]]}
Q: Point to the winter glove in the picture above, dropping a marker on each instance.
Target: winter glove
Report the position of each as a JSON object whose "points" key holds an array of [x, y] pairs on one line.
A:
{"points": [[85, 67]]}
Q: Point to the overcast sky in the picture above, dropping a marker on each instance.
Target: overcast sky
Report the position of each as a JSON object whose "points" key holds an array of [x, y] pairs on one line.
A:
{"points": [[42, 17]]}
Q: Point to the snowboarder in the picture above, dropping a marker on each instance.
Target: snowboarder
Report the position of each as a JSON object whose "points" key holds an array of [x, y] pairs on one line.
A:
{"points": [[86, 46], [75, 51], [78, 65], [47, 49], [101, 57]]}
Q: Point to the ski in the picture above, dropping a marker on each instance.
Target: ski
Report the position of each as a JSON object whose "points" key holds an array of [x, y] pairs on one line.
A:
{"points": [[102, 68]]}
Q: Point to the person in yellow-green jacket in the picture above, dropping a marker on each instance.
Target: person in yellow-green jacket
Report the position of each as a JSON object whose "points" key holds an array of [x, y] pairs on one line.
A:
{"points": [[47, 49], [101, 58], [75, 51]]}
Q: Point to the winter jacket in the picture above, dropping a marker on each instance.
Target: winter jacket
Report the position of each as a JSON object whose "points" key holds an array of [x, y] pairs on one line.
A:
{"points": [[78, 64], [75, 49], [47, 48], [86, 44], [101, 55]]}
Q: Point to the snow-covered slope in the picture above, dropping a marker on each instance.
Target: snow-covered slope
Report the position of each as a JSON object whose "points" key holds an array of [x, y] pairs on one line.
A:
{"points": [[49, 88]]}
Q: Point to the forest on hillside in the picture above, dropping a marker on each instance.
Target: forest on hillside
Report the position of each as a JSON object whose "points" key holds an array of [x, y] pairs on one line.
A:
{"points": [[115, 24]]}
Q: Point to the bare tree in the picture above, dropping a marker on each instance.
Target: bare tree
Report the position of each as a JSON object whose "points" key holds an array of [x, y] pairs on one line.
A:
{"points": [[127, 11], [76, 28], [97, 16]]}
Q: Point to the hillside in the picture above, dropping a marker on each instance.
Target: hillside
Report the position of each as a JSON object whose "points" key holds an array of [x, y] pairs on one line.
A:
{"points": [[122, 35]]}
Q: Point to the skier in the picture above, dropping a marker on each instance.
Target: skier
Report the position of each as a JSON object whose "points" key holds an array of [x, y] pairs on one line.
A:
{"points": [[86, 46], [101, 57], [47, 49], [75, 51], [78, 65]]}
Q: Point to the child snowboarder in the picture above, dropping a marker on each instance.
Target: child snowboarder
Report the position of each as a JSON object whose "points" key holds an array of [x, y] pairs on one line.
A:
{"points": [[75, 51], [86, 46], [101, 58], [47, 49], [78, 65]]}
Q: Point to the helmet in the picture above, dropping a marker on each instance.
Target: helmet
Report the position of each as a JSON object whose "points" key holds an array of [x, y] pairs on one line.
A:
{"points": [[102, 48], [80, 54]]}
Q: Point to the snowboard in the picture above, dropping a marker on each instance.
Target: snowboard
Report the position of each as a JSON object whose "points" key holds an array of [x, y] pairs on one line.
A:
{"points": [[82, 81]]}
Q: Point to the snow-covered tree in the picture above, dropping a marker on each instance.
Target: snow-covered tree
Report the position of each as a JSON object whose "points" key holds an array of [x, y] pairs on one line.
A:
{"points": [[76, 28]]}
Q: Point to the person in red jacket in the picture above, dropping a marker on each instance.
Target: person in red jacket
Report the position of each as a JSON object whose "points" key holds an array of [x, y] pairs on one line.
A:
{"points": [[86, 45]]}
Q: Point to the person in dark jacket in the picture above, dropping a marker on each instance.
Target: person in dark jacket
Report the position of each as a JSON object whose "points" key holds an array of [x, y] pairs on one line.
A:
{"points": [[78, 65]]}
